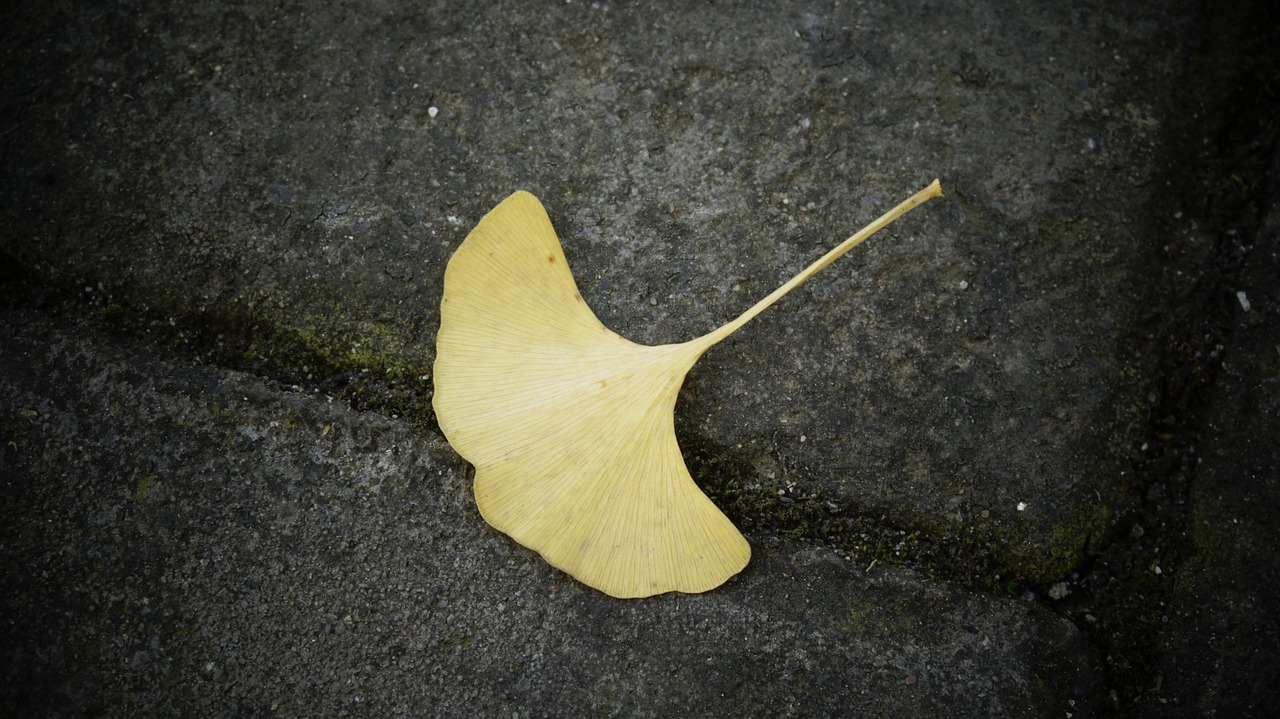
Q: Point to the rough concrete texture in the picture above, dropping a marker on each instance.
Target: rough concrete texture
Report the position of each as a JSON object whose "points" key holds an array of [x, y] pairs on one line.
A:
{"points": [[225, 228], [283, 169], [1225, 641], [285, 554]]}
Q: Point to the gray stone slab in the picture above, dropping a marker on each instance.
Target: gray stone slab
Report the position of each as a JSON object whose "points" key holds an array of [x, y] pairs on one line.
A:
{"points": [[185, 540], [271, 172], [1223, 632]]}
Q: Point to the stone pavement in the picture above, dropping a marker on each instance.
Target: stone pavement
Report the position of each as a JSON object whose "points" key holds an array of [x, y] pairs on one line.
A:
{"points": [[1012, 457]]}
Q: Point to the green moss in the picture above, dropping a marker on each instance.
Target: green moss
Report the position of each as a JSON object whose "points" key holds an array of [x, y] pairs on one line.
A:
{"points": [[367, 363], [984, 556], [1043, 562], [333, 339], [866, 617], [144, 486], [859, 613], [457, 640]]}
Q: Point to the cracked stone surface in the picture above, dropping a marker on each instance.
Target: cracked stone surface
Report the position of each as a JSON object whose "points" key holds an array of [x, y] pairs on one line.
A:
{"points": [[282, 553], [256, 166], [224, 233]]}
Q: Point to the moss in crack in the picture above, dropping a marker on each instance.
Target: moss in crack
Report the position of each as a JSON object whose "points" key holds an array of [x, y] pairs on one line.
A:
{"points": [[330, 340], [1041, 564], [982, 556], [144, 486], [335, 350], [1122, 608], [363, 362]]}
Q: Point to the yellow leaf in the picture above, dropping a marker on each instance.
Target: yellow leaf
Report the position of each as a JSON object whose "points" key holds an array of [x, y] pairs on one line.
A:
{"points": [[571, 426]]}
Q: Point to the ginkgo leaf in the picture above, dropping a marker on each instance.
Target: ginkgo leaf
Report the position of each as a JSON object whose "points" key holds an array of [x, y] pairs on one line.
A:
{"points": [[571, 426]]}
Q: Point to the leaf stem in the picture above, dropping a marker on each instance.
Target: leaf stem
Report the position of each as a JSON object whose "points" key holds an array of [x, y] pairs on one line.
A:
{"points": [[928, 193]]}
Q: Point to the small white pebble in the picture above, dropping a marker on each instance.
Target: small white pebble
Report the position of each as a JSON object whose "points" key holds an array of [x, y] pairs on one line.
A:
{"points": [[964, 284], [1022, 506], [1244, 301], [433, 111], [803, 438]]}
